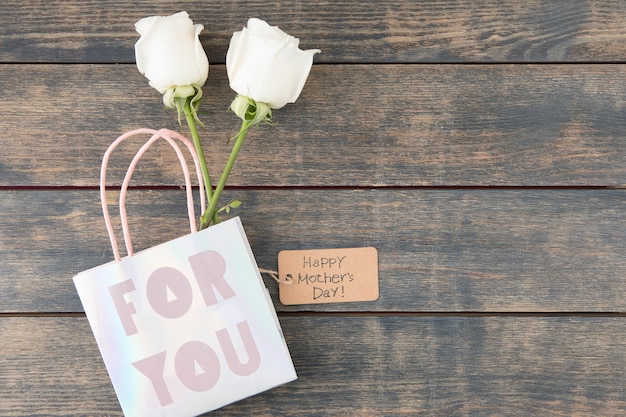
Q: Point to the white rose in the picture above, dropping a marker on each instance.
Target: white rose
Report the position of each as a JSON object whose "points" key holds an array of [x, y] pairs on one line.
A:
{"points": [[265, 64], [169, 52]]}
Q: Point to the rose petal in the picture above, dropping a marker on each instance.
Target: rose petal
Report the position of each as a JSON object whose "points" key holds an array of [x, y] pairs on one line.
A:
{"points": [[265, 64], [169, 52]]}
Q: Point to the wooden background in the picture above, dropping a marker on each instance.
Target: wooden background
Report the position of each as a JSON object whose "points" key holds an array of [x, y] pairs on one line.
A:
{"points": [[479, 145]]}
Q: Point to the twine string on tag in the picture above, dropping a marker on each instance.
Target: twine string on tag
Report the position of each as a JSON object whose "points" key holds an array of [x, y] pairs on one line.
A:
{"points": [[274, 274]]}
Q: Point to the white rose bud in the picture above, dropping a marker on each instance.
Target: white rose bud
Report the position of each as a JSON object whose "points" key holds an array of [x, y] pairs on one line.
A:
{"points": [[169, 54], [265, 64]]}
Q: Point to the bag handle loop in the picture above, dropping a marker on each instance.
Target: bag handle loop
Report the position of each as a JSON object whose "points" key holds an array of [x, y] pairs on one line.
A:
{"points": [[169, 136]]}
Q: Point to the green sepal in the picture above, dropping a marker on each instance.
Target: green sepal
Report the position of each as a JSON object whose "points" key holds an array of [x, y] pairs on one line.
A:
{"points": [[252, 111], [176, 97]]}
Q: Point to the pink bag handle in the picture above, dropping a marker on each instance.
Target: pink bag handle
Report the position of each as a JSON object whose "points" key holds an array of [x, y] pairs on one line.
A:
{"points": [[169, 136]]}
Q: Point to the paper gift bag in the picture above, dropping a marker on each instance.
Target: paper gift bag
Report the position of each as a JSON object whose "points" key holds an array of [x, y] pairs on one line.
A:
{"points": [[187, 326]]}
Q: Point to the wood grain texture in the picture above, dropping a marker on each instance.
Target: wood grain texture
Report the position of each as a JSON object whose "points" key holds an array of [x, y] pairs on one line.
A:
{"points": [[366, 366], [478, 145], [347, 31], [354, 125], [439, 250]]}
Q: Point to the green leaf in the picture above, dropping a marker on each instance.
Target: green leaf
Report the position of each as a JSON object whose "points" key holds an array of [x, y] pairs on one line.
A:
{"points": [[232, 204]]}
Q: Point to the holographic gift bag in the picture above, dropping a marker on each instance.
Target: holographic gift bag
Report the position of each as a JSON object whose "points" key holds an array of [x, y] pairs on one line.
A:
{"points": [[187, 326]]}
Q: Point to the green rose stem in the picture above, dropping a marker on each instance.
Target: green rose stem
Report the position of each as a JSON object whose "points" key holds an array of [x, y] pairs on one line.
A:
{"points": [[211, 211], [251, 113], [208, 186]]}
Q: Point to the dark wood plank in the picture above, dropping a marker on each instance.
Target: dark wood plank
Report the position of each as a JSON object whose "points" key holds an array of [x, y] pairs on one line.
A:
{"points": [[485, 250], [368, 366], [494, 300], [353, 126], [347, 31]]}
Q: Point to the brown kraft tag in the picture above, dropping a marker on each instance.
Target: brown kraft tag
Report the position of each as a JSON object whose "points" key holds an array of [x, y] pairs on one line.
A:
{"points": [[328, 275]]}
